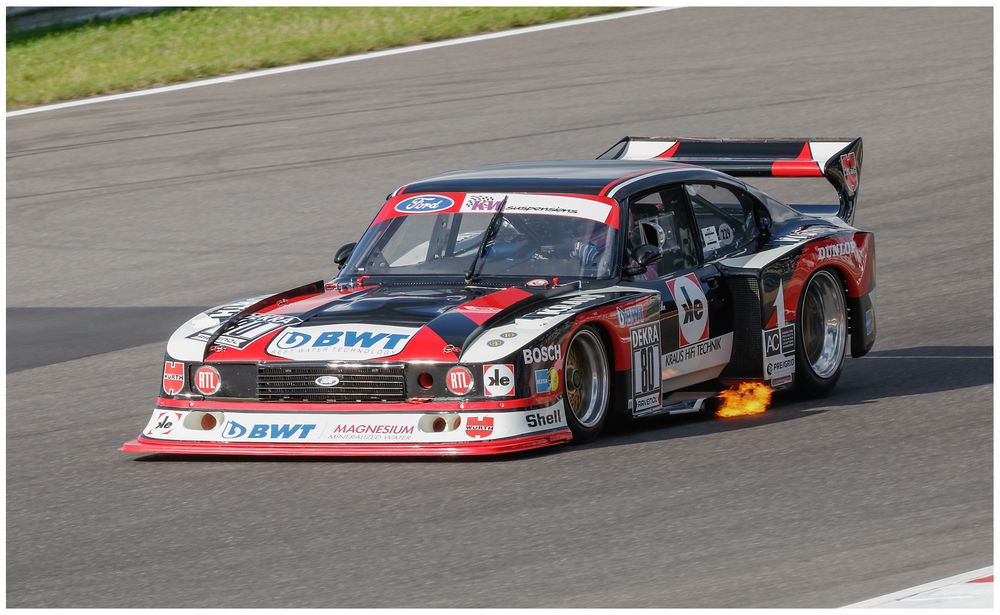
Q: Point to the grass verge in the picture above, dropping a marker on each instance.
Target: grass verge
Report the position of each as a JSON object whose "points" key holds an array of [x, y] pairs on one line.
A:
{"points": [[184, 44]]}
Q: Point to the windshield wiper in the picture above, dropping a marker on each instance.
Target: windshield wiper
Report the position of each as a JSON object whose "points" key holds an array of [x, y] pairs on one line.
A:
{"points": [[491, 230]]}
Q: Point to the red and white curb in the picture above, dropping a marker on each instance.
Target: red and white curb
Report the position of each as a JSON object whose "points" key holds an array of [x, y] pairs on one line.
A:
{"points": [[971, 590]]}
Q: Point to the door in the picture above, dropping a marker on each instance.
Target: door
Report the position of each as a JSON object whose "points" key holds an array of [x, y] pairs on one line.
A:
{"points": [[695, 324]]}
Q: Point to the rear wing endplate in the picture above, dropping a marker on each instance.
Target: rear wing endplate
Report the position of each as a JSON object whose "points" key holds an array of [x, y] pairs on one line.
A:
{"points": [[836, 159]]}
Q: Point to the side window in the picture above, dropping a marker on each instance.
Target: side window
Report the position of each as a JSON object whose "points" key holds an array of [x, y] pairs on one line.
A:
{"points": [[725, 218], [660, 218]]}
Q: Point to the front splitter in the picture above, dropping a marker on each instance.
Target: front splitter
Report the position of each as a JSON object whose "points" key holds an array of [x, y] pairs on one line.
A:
{"points": [[387, 449]]}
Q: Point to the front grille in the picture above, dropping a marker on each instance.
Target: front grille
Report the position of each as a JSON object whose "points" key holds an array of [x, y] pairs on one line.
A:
{"points": [[357, 383]]}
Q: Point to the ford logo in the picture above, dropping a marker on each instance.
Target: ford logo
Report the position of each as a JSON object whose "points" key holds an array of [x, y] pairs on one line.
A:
{"points": [[327, 381], [424, 204]]}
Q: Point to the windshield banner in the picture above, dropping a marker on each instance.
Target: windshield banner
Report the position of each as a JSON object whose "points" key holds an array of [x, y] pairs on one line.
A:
{"points": [[599, 209]]}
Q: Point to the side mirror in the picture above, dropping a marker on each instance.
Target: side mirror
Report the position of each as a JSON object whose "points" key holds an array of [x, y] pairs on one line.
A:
{"points": [[644, 255], [344, 253]]}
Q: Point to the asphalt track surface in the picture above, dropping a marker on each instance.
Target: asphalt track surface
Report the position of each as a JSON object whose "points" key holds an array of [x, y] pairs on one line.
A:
{"points": [[124, 217]]}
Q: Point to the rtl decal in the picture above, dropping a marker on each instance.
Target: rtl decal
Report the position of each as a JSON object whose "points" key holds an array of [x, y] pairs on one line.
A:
{"points": [[207, 380], [459, 380]]}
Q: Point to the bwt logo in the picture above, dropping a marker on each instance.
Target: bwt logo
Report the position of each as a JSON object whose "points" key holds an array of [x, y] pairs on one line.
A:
{"points": [[343, 339], [631, 314], [234, 430], [423, 204]]}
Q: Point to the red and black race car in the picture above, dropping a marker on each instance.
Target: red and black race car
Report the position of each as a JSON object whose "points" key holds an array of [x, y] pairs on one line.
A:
{"points": [[514, 306]]}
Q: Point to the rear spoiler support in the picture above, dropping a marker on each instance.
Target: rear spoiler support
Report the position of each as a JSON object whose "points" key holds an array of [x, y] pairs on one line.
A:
{"points": [[836, 159]]}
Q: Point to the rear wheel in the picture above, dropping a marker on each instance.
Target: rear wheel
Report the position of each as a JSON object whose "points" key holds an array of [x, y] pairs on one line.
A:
{"points": [[821, 334], [587, 385]]}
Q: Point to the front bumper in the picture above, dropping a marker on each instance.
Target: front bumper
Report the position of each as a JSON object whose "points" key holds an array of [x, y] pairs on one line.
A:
{"points": [[180, 428]]}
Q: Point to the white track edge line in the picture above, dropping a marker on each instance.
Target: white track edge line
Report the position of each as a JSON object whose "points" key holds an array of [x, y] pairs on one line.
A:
{"points": [[919, 589], [341, 60], [926, 356]]}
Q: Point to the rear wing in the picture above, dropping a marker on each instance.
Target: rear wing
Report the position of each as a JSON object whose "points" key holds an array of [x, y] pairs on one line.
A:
{"points": [[838, 160]]}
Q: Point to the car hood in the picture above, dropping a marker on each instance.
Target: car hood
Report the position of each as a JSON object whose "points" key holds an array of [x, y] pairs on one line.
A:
{"points": [[323, 323]]}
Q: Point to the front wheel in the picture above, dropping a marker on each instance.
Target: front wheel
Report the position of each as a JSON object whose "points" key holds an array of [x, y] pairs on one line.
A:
{"points": [[821, 335], [587, 388]]}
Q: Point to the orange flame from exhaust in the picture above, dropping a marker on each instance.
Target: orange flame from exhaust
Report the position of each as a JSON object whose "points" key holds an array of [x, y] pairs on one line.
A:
{"points": [[744, 399]]}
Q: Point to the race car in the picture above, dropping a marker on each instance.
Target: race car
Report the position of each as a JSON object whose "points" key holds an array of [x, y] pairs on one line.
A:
{"points": [[514, 306]]}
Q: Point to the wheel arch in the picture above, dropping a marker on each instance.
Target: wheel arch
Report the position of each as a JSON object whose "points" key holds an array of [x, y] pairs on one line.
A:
{"points": [[859, 304]]}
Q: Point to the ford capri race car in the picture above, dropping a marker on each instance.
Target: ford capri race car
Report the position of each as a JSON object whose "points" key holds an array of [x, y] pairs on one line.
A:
{"points": [[515, 306]]}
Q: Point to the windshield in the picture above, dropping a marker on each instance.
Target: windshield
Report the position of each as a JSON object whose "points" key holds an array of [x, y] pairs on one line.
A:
{"points": [[524, 245]]}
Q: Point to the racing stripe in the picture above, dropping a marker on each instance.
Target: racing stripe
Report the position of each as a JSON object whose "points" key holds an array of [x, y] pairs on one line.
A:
{"points": [[425, 345], [456, 326], [308, 307], [802, 166], [670, 152], [483, 308]]}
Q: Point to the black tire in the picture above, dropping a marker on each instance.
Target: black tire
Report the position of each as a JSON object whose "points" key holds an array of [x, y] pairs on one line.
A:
{"points": [[821, 334], [586, 384]]}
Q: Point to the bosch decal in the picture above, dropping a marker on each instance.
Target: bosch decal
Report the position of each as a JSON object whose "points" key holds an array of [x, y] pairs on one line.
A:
{"points": [[692, 309], [542, 354], [424, 204], [498, 380]]}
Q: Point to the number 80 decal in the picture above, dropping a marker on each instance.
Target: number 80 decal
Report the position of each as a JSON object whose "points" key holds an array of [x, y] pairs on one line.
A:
{"points": [[646, 377]]}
